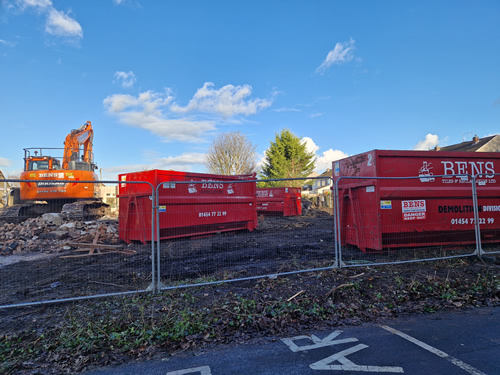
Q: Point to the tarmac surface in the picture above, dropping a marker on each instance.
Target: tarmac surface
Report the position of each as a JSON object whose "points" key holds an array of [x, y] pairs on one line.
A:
{"points": [[445, 343]]}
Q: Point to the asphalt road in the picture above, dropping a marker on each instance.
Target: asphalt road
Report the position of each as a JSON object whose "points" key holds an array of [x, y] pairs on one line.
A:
{"points": [[449, 343]]}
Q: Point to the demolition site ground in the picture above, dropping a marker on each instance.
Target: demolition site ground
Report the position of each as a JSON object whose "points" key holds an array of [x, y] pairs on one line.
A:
{"points": [[76, 336], [57, 264]]}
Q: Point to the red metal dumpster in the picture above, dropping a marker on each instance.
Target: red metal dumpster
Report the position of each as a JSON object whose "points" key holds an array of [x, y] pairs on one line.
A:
{"points": [[280, 201], [378, 214], [185, 210]]}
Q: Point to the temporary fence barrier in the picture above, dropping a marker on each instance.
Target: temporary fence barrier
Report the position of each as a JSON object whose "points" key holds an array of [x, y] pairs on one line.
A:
{"points": [[377, 220], [435, 207], [53, 258], [69, 260], [487, 214], [274, 246], [391, 220]]}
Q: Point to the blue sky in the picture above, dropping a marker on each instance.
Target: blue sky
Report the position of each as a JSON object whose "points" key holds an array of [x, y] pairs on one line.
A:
{"points": [[159, 79]]}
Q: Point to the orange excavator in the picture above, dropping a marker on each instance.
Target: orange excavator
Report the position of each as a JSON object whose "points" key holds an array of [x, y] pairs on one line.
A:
{"points": [[52, 183]]}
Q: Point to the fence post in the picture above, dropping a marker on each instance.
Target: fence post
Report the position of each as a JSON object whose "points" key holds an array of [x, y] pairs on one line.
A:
{"points": [[156, 225], [336, 225], [479, 249]]}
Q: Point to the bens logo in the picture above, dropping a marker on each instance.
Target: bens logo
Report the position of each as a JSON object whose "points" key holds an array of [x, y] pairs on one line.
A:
{"points": [[458, 171], [474, 168]]}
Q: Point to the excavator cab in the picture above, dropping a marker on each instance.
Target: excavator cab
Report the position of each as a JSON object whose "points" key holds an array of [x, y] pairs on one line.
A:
{"points": [[42, 163]]}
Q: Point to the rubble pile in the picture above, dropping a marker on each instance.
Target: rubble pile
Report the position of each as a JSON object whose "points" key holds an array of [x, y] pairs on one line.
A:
{"points": [[50, 233]]}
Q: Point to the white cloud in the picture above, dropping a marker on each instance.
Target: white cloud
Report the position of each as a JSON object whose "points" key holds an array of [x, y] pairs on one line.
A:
{"points": [[325, 159], [38, 4], [342, 53], [159, 114], [316, 114], [228, 101], [430, 141], [58, 23], [147, 111], [310, 145], [127, 79], [7, 43], [287, 110], [4, 162]]}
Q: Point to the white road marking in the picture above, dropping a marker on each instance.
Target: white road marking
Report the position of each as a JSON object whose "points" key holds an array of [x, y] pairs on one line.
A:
{"points": [[347, 365], [318, 343], [202, 370], [464, 366]]}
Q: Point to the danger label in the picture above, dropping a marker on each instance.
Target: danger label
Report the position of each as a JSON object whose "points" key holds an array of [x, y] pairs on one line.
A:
{"points": [[414, 210]]}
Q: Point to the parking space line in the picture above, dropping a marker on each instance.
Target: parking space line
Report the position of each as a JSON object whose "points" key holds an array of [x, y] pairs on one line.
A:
{"points": [[464, 366]]}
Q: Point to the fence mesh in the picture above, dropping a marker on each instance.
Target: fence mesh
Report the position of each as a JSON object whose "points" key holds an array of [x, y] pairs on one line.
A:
{"points": [[55, 255], [389, 220], [488, 212], [190, 232], [229, 230]]}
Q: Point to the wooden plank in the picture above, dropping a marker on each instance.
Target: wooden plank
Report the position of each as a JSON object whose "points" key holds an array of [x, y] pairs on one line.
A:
{"points": [[100, 246]]}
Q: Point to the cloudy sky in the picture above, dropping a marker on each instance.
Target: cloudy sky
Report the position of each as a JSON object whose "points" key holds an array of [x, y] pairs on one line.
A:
{"points": [[160, 79]]}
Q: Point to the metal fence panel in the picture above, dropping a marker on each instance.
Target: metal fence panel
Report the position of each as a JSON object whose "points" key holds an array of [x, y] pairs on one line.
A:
{"points": [[488, 212], [383, 220], [231, 241], [52, 257]]}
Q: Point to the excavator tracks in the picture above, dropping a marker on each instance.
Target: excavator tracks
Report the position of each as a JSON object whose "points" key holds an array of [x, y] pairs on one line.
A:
{"points": [[76, 211], [11, 214], [85, 210]]}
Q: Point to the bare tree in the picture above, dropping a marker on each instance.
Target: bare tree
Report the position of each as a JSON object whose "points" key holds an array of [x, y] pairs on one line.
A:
{"points": [[231, 153]]}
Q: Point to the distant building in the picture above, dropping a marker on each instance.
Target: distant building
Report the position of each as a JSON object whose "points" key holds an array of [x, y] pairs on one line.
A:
{"points": [[323, 185], [486, 144], [108, 195], [4, 190], [308, 186]]}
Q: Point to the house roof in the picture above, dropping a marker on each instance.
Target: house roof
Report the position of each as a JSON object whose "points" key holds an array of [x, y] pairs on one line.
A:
{"points": [[327, 173], [486, 144]]}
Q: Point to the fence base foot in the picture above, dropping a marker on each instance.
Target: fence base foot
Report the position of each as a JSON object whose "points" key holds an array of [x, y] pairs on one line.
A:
{"points": [[487, 259], [338, 264]]}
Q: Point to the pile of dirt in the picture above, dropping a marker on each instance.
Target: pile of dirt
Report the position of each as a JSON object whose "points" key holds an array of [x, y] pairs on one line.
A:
{"points": [[51, 232]]}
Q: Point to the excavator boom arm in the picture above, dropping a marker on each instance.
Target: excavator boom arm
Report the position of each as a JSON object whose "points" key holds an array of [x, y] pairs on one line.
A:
{"points": [[77, 137]]}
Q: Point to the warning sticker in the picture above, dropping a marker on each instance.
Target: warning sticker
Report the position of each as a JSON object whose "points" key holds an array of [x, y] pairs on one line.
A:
{"points": [[414, 210], [386, 205]]}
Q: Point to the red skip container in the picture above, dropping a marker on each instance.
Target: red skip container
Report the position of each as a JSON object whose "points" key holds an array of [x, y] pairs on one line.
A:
{"points": [[185, 210], [280, 201], [378, 214]]}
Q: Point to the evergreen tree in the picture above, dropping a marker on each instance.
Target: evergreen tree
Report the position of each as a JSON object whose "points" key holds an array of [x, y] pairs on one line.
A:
{"points": [[287, 157]]}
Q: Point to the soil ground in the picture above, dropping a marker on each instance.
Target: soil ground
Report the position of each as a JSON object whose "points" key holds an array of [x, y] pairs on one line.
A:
{"points": [[279, 244]]}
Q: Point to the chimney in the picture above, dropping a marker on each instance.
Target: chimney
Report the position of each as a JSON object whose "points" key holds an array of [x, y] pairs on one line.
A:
{"points": [[475, 140]]}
